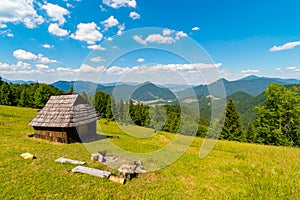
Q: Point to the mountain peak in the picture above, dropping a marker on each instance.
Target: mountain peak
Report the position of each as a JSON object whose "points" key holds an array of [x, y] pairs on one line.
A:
{"points": [[251, 77]]}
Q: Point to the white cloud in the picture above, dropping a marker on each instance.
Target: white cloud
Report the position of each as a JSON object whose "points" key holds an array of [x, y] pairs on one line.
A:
{"points": [[96, 47], [120, 3], [140, 60], [47, 46], [166, 38], [109, 39], [45, 60], [196, 28], [67, 69], [167, 32], [7, 33], [250, 71], [110, 22], [98, 59], [102, 8], [56, 12], [121, 29], [89, 69], [139, 39], [291, 68], [87, 32], [41, 66], [20, 65], [56, 30], [10, 34], [115, 70], [4, 66], [278, 69], [21, 54], [154, 38], [20, 11], [134, 15], [180, 34], [70, 5], [289, 45], [3, 25], [154, 69]]}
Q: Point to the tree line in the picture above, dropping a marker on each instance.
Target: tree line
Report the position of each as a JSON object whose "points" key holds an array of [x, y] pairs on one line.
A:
{"points": [[277, 121], [34, 95], [170, 118]]}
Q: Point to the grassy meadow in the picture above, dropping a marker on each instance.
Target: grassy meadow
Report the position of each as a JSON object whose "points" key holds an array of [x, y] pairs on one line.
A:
{"points": [[231, 171]]}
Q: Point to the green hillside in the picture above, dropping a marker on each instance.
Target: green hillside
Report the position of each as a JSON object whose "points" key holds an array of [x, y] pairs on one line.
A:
{"points": [[231, 171]]}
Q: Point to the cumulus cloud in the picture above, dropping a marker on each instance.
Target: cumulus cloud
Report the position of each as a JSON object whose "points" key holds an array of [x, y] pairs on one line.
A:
{"points": [[140, 60], [121, 29], [20, 66], [120, 3], [56, 30], [10, 34], [4, 66], [97, 59], [167, 32], [42, 59], [47, 46], [166, 38], [96, 47], [196, 28], [3, 25], [250, 71], [180, 34], [154, 69], [21, 54], [87, 32], [7, 33], [291, 68], [56, 12], [134, 15], [288, 45], [110, 22], [89, 69], [42, 66], [20, 11], [154, 38], [67, 69]]}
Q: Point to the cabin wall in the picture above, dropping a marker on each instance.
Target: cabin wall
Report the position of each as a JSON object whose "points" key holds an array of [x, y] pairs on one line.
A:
{"points": [[87, 132], [51, 134], [82, 133]]}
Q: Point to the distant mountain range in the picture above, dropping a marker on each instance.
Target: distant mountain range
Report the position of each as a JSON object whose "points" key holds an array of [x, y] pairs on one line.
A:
{"points": [[251, 85], [18, 81]]}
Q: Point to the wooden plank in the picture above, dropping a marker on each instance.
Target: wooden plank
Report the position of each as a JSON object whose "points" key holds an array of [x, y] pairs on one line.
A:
{"points": [[66, 160], [91, 171]]}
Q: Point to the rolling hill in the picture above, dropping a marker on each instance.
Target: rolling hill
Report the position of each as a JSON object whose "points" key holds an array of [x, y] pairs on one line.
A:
{"points": [[251, 85]]}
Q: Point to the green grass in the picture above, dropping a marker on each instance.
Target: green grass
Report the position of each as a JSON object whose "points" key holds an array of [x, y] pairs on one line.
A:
{"points": [[231, 171]]}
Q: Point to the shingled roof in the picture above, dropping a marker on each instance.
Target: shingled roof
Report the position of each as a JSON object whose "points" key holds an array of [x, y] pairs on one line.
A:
{"points": [[65, 111]]}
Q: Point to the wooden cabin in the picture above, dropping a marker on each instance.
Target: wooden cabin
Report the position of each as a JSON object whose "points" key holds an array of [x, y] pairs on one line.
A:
{"points": [[66, 119]]}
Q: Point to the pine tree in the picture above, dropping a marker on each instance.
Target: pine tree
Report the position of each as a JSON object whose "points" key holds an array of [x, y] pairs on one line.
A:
{"points": [[84, 96], [232, 129], [71, 90], [110, 109], [251, 134]]}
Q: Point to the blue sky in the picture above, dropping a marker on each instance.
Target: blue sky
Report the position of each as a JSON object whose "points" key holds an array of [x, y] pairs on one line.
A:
{"points": [[50, 40]]}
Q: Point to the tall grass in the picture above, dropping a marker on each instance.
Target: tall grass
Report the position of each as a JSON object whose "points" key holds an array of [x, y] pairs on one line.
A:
{"points": [[231, 171]]}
